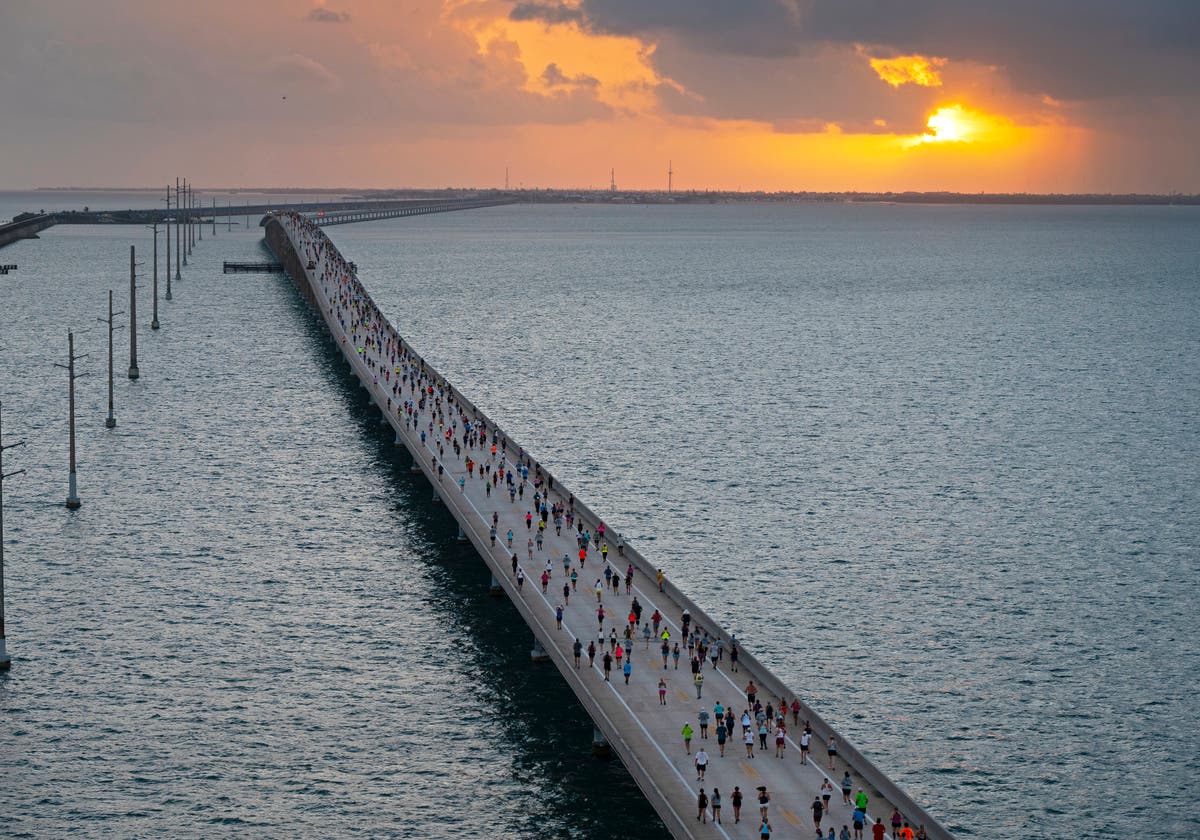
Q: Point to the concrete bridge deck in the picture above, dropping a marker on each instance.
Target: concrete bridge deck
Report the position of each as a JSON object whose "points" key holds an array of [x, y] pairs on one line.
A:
{"points": [[645, 733]]}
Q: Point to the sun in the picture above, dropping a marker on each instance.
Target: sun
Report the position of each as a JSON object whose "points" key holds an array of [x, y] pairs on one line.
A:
{"points": [[952, 124]]}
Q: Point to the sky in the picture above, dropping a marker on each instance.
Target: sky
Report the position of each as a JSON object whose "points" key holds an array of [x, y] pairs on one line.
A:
{"points": [[964, 95]]}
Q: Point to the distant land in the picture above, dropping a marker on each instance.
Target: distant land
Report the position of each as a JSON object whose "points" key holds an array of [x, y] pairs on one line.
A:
{"points": [[558, 196]]}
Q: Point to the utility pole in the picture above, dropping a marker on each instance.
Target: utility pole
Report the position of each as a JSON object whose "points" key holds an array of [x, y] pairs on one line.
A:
{"points": [[168, 223], [178, 229], [72, 497], [133, 365], [229, 216], [191, 228], [5, 659], [200, 221], [187, 224], [154, 319], [111, 422], [214, 217], [670, 177]]}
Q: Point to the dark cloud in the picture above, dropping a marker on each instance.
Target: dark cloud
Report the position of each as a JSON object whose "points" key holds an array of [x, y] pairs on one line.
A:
{"points": [[546, 12], [323, 15], [553, 76], [1077, 49]]}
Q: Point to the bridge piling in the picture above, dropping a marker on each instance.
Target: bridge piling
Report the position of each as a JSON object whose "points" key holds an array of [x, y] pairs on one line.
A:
{"points": [[600, 746]]}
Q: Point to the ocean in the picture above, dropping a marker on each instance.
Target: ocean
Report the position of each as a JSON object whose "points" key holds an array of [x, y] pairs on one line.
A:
{"points": [[934, 465]]}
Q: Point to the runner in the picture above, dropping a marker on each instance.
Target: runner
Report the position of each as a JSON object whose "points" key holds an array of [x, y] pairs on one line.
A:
{"points": [[701, 764], [702, 805], [577, 649], [662, 691], [687, 737], [818, 810], [715, 803], [826, 793], [735, 799]]}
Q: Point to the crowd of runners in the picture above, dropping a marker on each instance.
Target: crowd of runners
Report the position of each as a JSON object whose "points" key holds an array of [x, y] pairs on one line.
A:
{"points": [[466, 445]]}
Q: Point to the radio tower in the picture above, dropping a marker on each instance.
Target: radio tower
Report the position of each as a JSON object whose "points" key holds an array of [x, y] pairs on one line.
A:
{"points": [[612, 181], [506, 179], [670, 177]]}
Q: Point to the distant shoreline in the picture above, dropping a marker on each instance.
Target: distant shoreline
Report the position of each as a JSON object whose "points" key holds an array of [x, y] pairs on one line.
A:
{"points": [[555, 196]]}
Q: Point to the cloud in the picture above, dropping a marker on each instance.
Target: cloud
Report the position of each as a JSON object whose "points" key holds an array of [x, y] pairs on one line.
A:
{"points": [[909, 69], [546, 12], [302, 71], [1070, 49], [553, 76], [323, 15]]}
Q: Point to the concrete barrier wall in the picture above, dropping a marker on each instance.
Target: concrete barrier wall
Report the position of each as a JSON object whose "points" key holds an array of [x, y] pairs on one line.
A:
{"points": [[868, 775]]}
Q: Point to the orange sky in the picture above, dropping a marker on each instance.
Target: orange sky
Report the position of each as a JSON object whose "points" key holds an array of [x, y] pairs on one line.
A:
{"points": [[448, 92]]}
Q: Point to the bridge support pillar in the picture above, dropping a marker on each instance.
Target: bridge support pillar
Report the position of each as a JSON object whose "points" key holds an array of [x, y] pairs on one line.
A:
{"points": [[462, 536], [495, 590], [538, 654], [415, 468], [436, 497], [600, 745]]}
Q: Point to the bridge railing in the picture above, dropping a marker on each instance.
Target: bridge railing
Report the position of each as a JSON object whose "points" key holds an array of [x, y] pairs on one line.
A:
{"points": [[769, 685], [480, 537]]}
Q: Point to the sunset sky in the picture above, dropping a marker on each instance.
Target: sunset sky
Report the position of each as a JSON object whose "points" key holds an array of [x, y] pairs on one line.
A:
{"points": [[967, 95]]}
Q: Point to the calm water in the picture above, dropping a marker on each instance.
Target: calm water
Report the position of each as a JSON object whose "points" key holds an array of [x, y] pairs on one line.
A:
{"points": [[935, 465]]}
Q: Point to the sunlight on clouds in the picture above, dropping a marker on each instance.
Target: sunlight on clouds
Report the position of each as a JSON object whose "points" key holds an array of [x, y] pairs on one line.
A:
{"points": [[618, 69], [909, 69]]}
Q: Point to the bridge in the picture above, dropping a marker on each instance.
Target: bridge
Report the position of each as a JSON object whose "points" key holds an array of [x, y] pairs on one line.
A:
{"points": [[25, 229], [470, 461], [330, 212]]}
